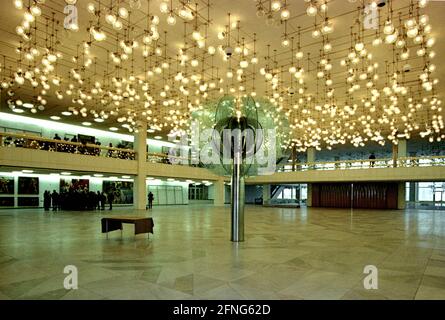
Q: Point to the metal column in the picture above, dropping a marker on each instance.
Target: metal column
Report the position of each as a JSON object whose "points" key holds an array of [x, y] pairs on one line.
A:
{"points": [[237, 195]]}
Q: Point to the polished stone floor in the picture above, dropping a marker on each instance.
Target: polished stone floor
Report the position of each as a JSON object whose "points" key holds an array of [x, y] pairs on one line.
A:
{"points": [[288, 254]]}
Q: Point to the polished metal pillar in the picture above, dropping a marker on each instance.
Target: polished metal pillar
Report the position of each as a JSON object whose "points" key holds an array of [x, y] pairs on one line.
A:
{"points": [[140, 187], [238, 190], [237, 203]]}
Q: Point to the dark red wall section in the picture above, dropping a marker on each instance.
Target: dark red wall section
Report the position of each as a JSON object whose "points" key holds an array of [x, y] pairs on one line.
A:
{"points": [[357, 195]]}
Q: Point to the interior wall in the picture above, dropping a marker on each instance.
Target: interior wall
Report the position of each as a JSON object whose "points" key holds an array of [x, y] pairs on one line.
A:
{"points": [[166, 196], [52, 182]]}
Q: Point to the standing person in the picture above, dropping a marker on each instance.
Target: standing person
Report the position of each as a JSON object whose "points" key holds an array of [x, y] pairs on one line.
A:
{"points": [[55, 200], [372, 159], [150, 200], [46, 200], [98, 200], [103, 200], [110, 152], [60, 200], [111, 199]]}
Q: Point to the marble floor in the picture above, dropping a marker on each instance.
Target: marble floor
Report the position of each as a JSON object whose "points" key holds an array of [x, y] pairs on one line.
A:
{"points": [[288, 254]]}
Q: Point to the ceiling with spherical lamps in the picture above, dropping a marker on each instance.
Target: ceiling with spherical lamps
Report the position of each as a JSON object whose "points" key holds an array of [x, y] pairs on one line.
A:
{"points": [[341, 72]]}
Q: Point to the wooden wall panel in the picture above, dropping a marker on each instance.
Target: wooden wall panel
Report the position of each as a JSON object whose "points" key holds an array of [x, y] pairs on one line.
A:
{"points": [[364, 195]]}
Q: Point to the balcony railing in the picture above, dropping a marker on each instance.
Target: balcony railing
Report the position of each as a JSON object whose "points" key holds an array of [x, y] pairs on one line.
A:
{"points": [[170, 159], [424, 161], [15, 140]]}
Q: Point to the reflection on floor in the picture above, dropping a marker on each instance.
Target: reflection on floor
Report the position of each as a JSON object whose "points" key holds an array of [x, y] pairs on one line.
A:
{"points": [[288, 254]]}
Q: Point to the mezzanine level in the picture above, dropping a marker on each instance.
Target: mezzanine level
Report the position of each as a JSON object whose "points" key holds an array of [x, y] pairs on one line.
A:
{"points": [[25, 151]]}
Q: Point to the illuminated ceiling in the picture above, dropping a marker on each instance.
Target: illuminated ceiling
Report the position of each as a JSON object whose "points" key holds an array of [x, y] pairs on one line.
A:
{"points": [[317, 61]]}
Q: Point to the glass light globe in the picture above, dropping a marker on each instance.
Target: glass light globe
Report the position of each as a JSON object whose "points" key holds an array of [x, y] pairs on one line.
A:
{"points": [[135, 4], [359, 46], [327, 47], [316, 34], [285, 14], [327, 27], [171, 20], [285, 43], [391, 38], [91, 8], [196, 35], [376, 42], [110, 18], [163, 7], [275, 5], [412, 33], [424, 19], [311, 10], [388, 28], [183, 13], [211, 50], [400, 43], [423, 3], [421, 52], [299, 55], [123, 12], [117, 25], [410, 23], [430, 42], [35, 11], [155, 20], [18, 4], [244, 64], [418, 39], [28, 16], [19, 30], [404, 55]]}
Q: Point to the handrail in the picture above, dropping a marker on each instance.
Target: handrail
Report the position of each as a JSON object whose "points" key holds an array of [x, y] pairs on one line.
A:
{"points": [[43, 139], [54, 144], [368, 163], [32, 142]]}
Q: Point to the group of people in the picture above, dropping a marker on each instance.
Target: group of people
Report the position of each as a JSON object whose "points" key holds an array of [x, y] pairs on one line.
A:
{"points": [[77, 200], [83, 148]]}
